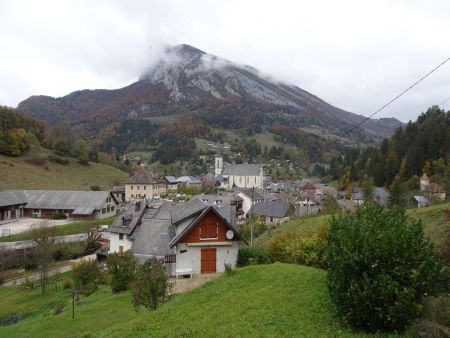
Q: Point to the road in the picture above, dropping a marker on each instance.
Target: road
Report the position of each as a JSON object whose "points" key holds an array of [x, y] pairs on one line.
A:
{"points": [[25, 224], [30, 243]]}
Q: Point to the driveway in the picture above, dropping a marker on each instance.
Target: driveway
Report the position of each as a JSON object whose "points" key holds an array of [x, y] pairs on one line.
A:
{"points": [[25, 224]]}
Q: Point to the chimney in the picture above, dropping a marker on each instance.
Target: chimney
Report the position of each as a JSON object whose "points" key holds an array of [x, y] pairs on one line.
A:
{"points": [[233, 213]]}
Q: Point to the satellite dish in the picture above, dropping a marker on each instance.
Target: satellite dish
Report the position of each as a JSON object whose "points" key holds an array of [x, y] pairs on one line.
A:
{"points": [[230, 234]]}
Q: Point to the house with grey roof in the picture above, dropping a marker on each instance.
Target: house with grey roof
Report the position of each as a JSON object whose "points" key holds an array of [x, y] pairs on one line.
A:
{"points": [[198, 238], [74, 204], [273, 212], [190, 181], [249, 197], [144, 184]]}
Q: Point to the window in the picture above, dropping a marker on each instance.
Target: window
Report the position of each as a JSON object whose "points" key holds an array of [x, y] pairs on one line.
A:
{"points": [[145, 195], [209, 230], [120, 248], [131, 187], [103, 210], [145, 187], [132, 196], [108, 209], [138, 187], [112, 208], [121, 237], [183, 251]]}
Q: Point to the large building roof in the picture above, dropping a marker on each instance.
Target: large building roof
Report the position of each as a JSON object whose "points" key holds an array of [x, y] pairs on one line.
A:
{"points": [[12, 197], [242, 169], [59, 199]]}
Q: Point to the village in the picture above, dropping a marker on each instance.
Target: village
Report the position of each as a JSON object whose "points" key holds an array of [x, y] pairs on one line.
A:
{"points": [[191, 233]]}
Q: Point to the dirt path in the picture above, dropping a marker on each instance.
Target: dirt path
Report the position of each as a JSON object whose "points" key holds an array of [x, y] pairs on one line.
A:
{"points": [[186, 284]]}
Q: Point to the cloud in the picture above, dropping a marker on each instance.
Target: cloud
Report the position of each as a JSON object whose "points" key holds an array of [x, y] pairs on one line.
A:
{"points": [[354, 54]]}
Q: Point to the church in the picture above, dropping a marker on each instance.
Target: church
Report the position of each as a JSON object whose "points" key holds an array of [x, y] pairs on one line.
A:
{"points": [[238, 175]]}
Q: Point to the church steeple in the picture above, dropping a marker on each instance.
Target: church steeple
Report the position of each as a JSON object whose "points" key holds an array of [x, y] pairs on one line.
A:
{"points": [[218, 161]]}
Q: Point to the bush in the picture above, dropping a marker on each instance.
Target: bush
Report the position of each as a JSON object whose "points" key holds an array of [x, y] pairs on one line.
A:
{"points": [[58, 215], [58, 160], [228, 269], [151, 286], [381, 266], [122, 270], [30, 264], [95, 188], [298, 249], [85, 275], [68, 283], [259, 255], [40, 162]]}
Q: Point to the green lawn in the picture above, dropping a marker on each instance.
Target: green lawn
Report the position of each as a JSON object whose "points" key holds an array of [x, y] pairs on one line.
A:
{"points": [[306, 225], [16, 173], [278, 300], [62, 230], [435, 221]]}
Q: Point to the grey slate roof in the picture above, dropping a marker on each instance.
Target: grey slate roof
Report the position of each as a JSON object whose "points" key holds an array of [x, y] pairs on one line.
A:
{"points": [[171, 179], [61, 200], [133, 218], [381, 195], [187, 209], [188, 179], [152, 238], [421, 199], [12, 197], [242, 169], [273, 209]]}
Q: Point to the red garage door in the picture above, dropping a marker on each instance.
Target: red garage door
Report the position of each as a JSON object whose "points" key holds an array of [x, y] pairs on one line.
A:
{"points": [[208, 260]]}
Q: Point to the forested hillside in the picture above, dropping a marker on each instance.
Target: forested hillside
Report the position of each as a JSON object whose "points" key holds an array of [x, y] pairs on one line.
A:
{"points": [[418, 147]]}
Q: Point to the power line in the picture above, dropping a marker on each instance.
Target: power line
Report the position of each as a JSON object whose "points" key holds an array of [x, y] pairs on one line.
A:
{"points": [[386, 105]]}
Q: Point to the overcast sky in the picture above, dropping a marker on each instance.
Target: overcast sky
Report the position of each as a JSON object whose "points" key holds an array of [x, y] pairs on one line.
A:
{"points": [[356, 55]]}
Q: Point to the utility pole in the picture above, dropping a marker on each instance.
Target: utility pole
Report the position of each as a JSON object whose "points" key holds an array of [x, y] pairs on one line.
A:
{"points": [[252, 218], [73, 291]]}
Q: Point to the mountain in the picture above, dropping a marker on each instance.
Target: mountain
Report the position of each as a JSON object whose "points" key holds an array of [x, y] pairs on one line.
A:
{"points": [[219, 93]]}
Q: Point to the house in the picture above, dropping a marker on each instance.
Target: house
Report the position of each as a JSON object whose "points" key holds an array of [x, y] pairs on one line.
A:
{"points": [[431, 189], [118, 192], [249, 198], [12, 203], [196, 236], [190, 181], [74, 204], [380, 195], [171, 182], [239, 175], [144, 184], [420, 201], [273, 212]]}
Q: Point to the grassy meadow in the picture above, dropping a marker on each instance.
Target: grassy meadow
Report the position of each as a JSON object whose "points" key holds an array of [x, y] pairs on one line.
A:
{"points": [[19, 173], [277, 300]]}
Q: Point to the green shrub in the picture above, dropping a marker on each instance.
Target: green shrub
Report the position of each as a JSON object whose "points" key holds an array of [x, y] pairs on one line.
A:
{"points": [[122, 270], [380, 267], [58, 160], [299, 249], [85, 274], [58, 215], [68, 283], [259, 255], [151, 286], [30, 264], [228, 269]]}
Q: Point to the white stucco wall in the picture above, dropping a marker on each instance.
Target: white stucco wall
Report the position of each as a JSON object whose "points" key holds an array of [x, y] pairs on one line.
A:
{"points": [[115, 242], [192, 257]]}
